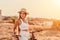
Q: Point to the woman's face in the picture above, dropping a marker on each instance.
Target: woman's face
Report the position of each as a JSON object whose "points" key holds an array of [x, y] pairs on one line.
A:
{"points": [[23, 15]]}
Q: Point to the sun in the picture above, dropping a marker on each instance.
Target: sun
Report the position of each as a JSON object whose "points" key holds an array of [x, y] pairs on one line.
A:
{"points": [[57, 2]]}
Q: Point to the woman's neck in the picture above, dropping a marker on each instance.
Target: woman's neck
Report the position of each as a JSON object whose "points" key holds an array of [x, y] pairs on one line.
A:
{"points": [[23, 20]]}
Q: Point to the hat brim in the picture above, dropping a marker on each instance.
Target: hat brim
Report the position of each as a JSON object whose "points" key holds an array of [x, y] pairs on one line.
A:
{"points": [[23, 11]]}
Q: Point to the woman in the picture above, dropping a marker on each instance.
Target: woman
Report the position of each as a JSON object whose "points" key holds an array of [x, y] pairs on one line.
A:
{"points": [[22, 25]]}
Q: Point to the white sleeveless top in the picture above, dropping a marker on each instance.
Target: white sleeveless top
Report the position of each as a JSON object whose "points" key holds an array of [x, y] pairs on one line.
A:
{"points": [[23, 25]]}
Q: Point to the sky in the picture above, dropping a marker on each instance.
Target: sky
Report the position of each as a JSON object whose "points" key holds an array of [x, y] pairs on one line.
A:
{"points": [[35, 8]]}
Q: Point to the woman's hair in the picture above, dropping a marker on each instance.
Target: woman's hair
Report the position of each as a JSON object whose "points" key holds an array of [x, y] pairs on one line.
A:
{"points": [[20, 17]]}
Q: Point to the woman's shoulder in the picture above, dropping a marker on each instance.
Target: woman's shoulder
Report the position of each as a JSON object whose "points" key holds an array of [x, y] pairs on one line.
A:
{"points": [[17, 20]]}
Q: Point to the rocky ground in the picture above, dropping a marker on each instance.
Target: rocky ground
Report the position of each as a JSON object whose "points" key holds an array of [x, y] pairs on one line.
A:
{"points": [[6, 33], [47, 35]]}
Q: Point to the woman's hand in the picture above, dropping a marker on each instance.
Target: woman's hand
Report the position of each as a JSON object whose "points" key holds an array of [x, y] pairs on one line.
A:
{"points": [[14, 32]]}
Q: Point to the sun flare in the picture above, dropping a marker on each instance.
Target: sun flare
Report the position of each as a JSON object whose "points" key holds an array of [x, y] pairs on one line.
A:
{"points": [[57, 2]]}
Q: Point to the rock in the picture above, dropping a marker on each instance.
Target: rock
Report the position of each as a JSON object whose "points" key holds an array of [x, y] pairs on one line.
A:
{"points": [[6, 31], [47, 35]]}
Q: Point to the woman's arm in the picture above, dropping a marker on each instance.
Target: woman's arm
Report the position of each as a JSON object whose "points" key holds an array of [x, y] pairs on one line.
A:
{"points": [[15, 25]]}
